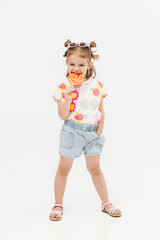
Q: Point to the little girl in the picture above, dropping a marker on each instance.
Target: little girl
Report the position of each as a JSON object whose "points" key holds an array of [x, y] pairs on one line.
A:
{"points": [[81, 108]]}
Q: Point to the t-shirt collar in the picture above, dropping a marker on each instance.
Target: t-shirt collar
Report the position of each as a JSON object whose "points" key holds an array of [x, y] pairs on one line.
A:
{"points": [[84, 82]]}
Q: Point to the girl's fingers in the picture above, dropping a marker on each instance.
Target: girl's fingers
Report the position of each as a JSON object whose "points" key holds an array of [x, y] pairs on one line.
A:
{"points": [[69, 90]]}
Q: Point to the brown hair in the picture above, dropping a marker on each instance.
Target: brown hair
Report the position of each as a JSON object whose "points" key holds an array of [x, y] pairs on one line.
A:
{"points": [[84, 53]]}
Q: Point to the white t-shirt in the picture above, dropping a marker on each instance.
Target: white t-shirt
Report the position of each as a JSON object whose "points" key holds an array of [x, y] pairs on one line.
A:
{"points": [[86, 97]]}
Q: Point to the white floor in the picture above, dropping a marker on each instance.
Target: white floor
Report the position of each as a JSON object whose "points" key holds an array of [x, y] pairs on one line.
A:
{"points": [[133, 186]]}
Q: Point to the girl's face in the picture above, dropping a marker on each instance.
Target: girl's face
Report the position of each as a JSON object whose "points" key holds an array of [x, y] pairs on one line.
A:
{"points": [[77, 65]]}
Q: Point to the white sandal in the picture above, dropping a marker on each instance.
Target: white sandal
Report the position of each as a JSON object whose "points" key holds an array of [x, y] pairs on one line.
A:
{"points": [[111, 210], [56, 213]]}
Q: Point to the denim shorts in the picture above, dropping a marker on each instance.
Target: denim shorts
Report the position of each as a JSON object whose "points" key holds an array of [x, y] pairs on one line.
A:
{"points": [[77, 137]]}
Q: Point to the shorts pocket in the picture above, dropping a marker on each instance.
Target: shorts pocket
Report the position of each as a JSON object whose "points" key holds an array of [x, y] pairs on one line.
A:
{"points": [[100, 136], [101, 139], [66, 137]]}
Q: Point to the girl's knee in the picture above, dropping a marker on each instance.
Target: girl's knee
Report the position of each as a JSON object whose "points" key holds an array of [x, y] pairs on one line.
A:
{"points": [[94, 170], [64, 170], [65, 166]]}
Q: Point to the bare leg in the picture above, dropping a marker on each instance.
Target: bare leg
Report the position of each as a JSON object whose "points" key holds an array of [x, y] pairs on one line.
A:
{"points": [[93, 166], [63, 170]]}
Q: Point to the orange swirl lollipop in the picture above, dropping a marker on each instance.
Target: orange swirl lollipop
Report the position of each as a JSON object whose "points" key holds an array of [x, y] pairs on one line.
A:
{"points": [[75, 79]]}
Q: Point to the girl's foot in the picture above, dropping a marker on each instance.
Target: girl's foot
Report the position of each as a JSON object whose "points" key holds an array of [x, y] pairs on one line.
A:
{"points": [[114, 211], [58, 214]]}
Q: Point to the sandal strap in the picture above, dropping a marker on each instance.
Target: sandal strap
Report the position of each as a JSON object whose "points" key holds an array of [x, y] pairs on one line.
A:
{"points": [[58, 205], [112, 210], [56, 213], [105, 204]]}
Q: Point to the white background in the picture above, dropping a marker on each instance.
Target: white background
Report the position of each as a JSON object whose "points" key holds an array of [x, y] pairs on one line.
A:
{"points": [[127, 34]]}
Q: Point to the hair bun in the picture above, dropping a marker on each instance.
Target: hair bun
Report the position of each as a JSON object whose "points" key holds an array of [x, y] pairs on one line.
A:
{"points": [[67, 42], [93, 44]]}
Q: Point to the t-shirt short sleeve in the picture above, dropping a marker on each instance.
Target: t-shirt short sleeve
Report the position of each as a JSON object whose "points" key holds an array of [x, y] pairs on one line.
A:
{"points": [[59, 92], [104, 93]]}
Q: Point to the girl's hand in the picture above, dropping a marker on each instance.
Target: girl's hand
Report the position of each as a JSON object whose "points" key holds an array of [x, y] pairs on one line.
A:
{"points": [[99, 131], [68, 92]]}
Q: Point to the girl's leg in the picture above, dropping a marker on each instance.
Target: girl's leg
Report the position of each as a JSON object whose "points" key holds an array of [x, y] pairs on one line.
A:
{"points": [[93, 166], [63, 170]]}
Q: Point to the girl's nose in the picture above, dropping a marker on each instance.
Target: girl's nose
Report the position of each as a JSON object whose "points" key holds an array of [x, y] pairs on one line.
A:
{"points": [[76, 68]]}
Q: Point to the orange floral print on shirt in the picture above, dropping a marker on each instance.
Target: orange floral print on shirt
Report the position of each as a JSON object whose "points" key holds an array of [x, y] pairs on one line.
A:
{"points": [[72, 106], [75, 95]]}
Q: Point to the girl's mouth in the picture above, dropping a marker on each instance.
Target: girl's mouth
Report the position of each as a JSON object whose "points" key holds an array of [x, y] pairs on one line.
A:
{"points": [[76, 73]]}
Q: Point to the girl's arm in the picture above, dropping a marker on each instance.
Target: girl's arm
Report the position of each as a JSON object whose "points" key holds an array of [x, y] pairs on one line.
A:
{"points": [[101, 121], [64, 107]]}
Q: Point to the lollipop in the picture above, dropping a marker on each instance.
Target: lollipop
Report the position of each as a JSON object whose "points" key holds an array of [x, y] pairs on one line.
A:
{"points": [[75, 79]]}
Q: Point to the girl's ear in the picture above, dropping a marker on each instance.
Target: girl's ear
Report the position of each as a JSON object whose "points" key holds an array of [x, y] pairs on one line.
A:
{"points": [[66, 61]]}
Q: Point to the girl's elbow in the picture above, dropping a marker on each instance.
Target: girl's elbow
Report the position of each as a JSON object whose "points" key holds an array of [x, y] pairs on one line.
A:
{"points": [[62, 116], [102, 111]]}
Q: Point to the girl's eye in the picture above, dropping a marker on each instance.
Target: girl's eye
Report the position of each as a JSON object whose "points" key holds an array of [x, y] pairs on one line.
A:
{"points": [[80, 65]]}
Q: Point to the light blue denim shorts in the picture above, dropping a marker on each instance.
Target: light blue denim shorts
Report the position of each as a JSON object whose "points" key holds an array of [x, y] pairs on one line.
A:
{"points": [[77, 137]]}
